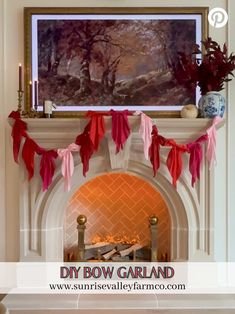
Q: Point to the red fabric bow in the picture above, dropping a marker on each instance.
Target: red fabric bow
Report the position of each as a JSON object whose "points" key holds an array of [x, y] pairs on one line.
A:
{"points": [[18, 130], [47, 166], [120, 128], [154, 148], [28, 152], [87, 147], [97, 127], [195, 151], [174, 159]]}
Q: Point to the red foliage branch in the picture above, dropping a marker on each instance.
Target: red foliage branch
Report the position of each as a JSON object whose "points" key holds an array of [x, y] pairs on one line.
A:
{"points": [[209, 73]]}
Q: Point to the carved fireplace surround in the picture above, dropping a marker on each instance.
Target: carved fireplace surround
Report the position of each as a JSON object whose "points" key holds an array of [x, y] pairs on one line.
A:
{"points": [[191, 209]]}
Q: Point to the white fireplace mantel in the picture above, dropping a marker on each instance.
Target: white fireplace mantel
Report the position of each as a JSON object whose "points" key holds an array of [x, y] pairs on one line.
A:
{"points": [[65, 130]]}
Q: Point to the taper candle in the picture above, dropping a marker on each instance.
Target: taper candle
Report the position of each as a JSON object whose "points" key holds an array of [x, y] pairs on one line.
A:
{"points": [[30, 94], [20, 77], [35, 95]]}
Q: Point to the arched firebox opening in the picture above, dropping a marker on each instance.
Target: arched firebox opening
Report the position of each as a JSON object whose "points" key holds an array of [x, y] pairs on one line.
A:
{"points": [[51, 208], [118, 208]]}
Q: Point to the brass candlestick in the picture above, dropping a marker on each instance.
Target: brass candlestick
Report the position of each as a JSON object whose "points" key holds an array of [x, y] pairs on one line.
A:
{"points": [[20, 101]]}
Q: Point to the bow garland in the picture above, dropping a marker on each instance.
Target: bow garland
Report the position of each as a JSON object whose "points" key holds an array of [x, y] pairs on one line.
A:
{"points": [[88, 142], [174, 159], [67, 166], [154, 149], [97, 127], [87, 148], [211, 148], [145, 131], [47, 166], [120, 128], [195, 151], [18, 131], [29, 150]]}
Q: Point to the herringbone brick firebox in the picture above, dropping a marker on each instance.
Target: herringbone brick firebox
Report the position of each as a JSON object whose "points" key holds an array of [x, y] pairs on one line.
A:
{"points": [[117, 204]]}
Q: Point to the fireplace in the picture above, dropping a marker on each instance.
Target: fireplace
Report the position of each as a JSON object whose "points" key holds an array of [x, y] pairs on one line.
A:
{"points": [[193, 218], [190, 210]]}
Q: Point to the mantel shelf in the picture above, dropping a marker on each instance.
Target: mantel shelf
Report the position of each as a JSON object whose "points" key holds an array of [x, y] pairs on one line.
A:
{"points": [[59, 129]]}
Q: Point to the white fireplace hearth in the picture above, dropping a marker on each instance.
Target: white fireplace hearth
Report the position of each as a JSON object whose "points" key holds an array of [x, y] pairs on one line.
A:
{"points": [[121, 304]]}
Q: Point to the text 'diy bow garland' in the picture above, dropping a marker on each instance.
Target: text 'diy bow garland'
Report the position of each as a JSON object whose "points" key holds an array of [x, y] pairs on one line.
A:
{"points": [[88, 142]]}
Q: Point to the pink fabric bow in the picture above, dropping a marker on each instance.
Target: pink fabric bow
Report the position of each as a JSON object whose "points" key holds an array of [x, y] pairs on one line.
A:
{"points": [[195, 151], [211, 146], [67, 166], [120, 127], [146, 126], [47, 167]]}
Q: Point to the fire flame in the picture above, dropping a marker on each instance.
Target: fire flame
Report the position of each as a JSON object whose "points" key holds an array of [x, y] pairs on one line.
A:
{"points": [[118, 238]]}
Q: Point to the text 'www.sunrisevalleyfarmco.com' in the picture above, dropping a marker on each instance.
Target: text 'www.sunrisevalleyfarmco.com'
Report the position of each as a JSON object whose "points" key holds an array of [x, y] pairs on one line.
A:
{"points": [[117, 279]]}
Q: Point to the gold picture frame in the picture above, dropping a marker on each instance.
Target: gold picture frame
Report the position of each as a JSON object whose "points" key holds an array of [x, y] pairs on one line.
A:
{"points": [[30, 12]]}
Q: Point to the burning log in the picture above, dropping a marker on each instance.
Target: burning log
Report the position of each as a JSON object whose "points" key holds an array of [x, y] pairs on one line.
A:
{"points": [[108, 255], [91, 250], [123, 253], [133, 248]]}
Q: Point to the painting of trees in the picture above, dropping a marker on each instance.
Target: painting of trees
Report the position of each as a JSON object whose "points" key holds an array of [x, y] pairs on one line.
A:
{"points": [[112, 62]]}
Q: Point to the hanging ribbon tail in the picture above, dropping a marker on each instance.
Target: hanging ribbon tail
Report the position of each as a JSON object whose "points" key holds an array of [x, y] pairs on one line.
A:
{"points": [[14, 115], [28, 153], [120, 128], [146, 126], [67, 166], [211, 146], [195, 151], [86, 148], [97, 128], [18, 131], [47, 167], [174, 160], [154, 149]]}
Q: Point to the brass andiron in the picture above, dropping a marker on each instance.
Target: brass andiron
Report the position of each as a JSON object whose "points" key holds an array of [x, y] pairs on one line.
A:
{"points": [[81, 220], [153, 220]]}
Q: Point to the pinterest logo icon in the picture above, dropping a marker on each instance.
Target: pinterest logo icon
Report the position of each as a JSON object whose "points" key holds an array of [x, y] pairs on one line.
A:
{"points": [[218, 17]]}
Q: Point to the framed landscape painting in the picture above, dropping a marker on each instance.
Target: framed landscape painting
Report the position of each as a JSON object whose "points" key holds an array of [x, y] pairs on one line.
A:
{"points": [[102, 58]]}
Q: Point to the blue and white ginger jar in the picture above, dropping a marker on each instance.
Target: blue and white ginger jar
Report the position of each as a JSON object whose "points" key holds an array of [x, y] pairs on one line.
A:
{"points": [[211, 105]]}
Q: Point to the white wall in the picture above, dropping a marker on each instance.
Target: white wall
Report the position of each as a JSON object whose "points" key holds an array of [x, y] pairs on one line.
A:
{"points": [[2, 141], [230, 186], [11, 18]]}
